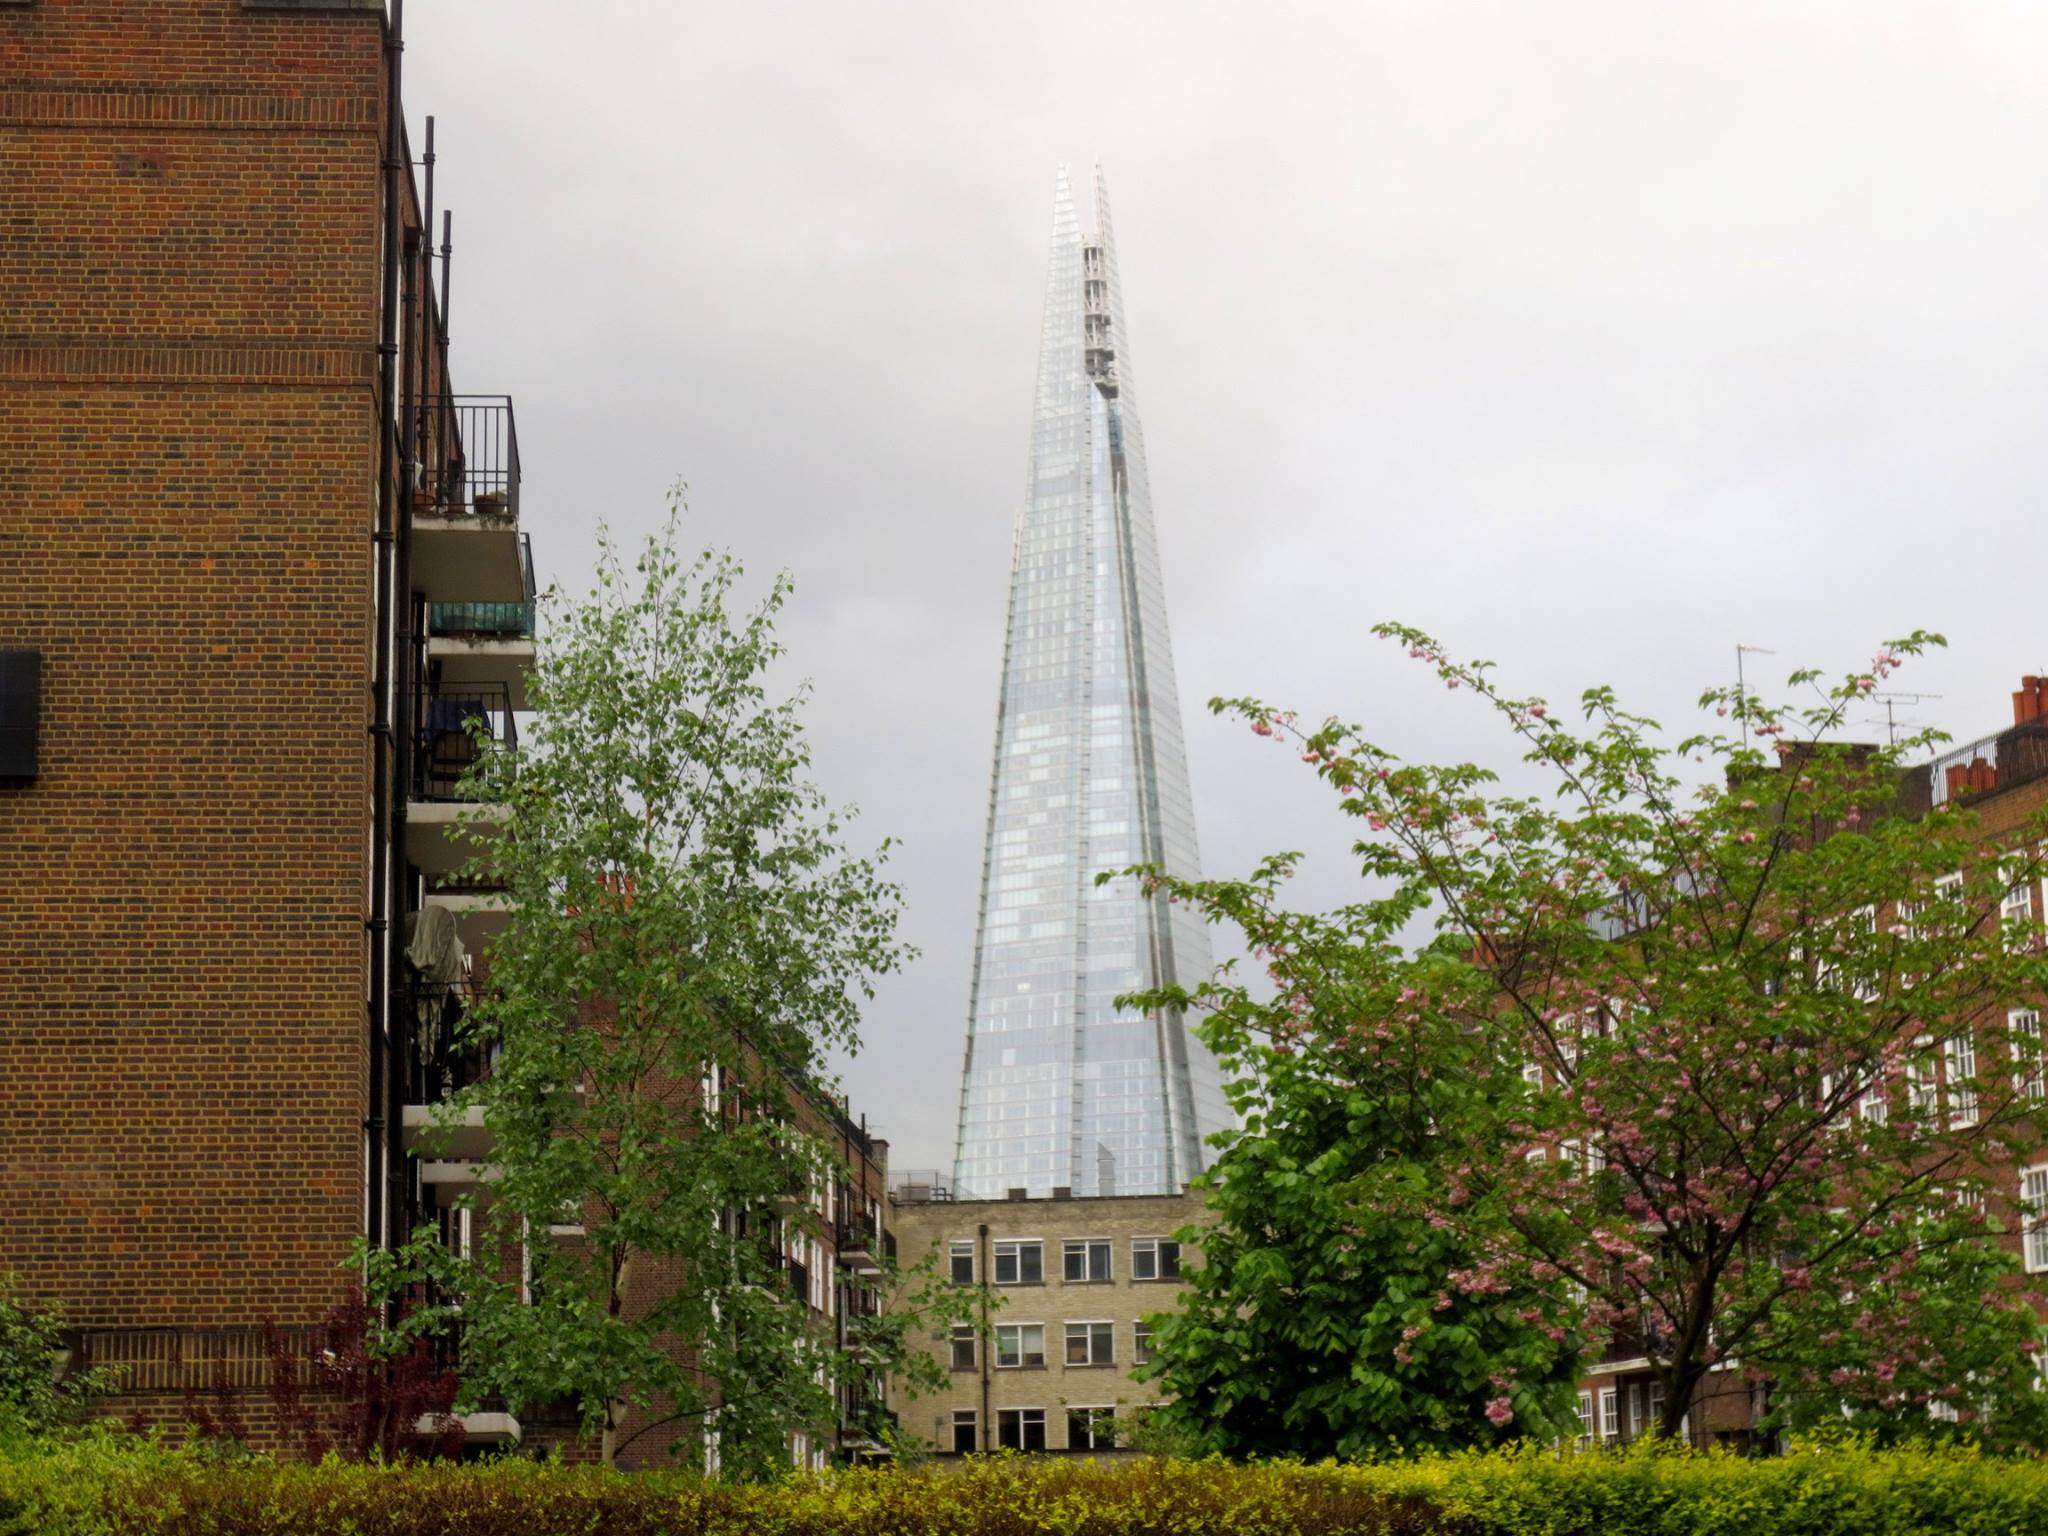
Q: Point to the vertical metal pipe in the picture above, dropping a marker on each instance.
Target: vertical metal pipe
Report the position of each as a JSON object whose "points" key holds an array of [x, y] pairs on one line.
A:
{"points": [[380, 684], [985, 1430], [410, 641], [444, 406]]}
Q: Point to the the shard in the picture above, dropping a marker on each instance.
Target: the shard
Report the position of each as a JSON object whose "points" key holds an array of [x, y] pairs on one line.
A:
{"points": [[1062, 1089]]}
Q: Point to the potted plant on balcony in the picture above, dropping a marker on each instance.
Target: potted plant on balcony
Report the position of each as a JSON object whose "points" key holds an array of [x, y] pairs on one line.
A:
{"points": [[489, 505]]}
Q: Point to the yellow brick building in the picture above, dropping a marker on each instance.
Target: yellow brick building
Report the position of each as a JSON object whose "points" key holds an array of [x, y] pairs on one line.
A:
{"points": [[1064, 1287]]}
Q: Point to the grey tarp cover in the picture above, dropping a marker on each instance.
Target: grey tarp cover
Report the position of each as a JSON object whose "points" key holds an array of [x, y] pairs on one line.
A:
{"points": [[435, 953]]}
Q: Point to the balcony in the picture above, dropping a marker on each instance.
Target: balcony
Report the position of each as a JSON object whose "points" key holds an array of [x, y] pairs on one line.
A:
{"points": [[465, 513], [856, 1243], [431, 1010], [506, 620], [443, 810], [455, 720]]}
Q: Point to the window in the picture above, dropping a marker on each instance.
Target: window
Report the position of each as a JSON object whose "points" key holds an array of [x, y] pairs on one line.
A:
{"points": [[1091, 1429], [1944, 1412], [963, 1431], [1863, 924], [2034, 1211], [1019, 1345], [1141, 1343], [2016, 916], [1155, 1258], [1920, 1080], [963, 1346], [1960, 1056], [1656, 1415], [1020, 1261], [1020, 1429], [1532, 1073], [963, 1263], [1087, 1259], [2023, 1030], [1635, 1409], [1585, 1418], [1091, 1343], [1610, 1414]]}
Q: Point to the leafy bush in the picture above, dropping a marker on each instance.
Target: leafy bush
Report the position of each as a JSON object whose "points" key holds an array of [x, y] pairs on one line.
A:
{"points": [[106, 1485], [35, 1396]]}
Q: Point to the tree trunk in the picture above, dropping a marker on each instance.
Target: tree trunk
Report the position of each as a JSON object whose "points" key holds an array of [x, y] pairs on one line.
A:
{"points": [[1685, 1379]]}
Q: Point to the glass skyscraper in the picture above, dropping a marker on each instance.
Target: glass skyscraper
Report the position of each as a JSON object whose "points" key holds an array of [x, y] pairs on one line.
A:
{"points": [[1062, 1088]]}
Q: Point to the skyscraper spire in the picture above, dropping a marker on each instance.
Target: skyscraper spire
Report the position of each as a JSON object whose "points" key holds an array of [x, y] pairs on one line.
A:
{"points": [[1062, 1088]]}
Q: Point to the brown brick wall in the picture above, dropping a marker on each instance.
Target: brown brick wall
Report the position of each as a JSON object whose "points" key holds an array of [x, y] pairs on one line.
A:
{"points": [[189, 245]]}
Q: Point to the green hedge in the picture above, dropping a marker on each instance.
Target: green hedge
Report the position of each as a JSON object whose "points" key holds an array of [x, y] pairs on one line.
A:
{"points": [[114, 1487]]}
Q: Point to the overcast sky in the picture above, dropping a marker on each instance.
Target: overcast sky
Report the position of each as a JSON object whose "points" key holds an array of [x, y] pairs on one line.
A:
{"points": [[1595, 338]]}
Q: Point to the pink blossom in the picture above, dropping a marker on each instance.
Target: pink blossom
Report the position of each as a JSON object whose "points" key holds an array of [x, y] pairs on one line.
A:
{"points": [[1499, 1411]]}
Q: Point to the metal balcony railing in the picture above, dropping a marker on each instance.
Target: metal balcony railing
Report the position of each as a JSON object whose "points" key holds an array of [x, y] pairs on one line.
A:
{"points": [[437, 1067], [855, 1240], [469, 455], [455, 719]]}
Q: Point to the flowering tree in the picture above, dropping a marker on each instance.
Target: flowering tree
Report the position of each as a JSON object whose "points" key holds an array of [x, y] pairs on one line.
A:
{"points": [[1734, 1013]]}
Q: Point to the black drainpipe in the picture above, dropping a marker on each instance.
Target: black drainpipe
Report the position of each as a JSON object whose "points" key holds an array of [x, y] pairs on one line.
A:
{"points": [[411, 642], [380, 685], [985, 1431]]}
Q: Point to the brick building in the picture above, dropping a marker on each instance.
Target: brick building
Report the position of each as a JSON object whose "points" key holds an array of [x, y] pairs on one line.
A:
{"points": [[260, 570], [2003, 778], [1066, 1286]]}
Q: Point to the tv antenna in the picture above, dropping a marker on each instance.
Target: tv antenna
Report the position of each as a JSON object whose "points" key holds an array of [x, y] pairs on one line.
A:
{"points": [[1741, 651], [1891, 718]]}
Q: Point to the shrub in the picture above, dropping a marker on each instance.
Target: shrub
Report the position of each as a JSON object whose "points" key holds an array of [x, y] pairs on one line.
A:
{"points": [[107, 1485]]}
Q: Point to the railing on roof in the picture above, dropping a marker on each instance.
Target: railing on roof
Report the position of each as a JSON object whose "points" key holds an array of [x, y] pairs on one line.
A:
{"points": [[919, 1186], [2016, 755]]}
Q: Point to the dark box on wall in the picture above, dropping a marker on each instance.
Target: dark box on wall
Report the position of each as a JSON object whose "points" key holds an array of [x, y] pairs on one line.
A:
{"points": [[21, 702]]}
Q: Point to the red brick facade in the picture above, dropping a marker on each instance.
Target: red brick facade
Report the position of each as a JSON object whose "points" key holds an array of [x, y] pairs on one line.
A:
{"points": [[188, 412]]}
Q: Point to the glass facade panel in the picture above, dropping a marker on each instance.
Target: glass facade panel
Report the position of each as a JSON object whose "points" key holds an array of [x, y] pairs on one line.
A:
{"points": [[1063, 1088]]}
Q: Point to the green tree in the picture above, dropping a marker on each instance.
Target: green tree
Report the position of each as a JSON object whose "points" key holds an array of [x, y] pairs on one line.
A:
{"points": [[688, 938], [37, 1394], [1324, 1317], [1743, 1024]]}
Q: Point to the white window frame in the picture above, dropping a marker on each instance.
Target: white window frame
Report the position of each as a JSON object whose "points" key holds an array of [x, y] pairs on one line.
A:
{"points": [[967, 1417], [1017, 1415], [1864, 920], [1155, 1248], [1585, 1419], [1015, 1254], [1635, 1409], [1086, 1247], [1094, 1440], [1141, 1342], [1020, 1363], [1610, 1414], [2030, 1080], [2034, 1218], [955, 1252], [968, 1334], [1920, 1088], [1097, 1329], [1959, 1065], [2017, 905]]}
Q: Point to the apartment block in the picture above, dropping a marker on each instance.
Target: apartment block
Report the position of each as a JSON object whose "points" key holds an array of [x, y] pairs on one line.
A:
{"points": [[262, 575], [1065, 1289]]}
